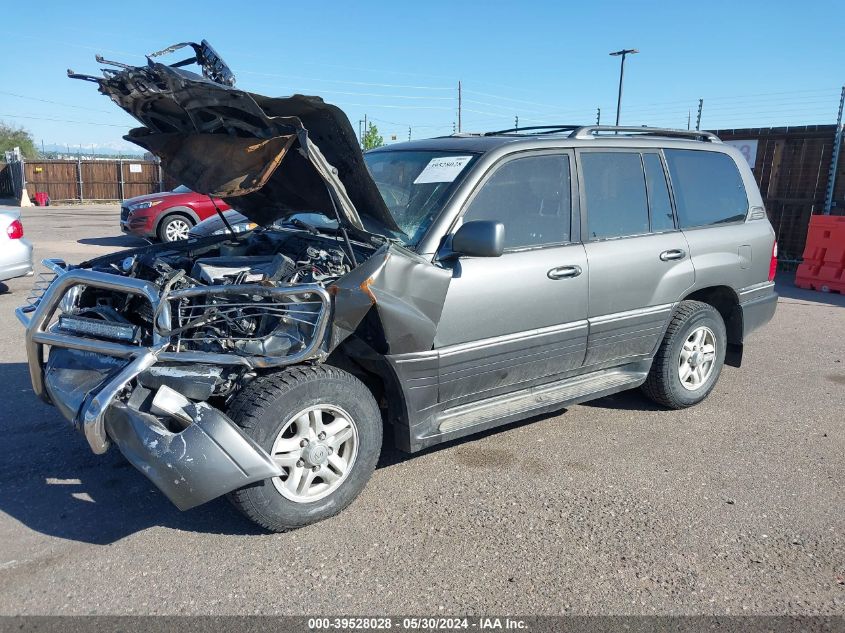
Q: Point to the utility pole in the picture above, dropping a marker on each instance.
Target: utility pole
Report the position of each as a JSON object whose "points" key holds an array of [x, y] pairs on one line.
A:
{"points": [[698, 118], [834, 161], [361, 132], [459, 106], [453, 127], [689, 117], [623, 53], [409, 132], [516, 122], [598, 116]]}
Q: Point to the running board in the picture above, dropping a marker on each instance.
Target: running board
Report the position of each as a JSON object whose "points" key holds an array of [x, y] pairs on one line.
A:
{"points": [[526, 401]]}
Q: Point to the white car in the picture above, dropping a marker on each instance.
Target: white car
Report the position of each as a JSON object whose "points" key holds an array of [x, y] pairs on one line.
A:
{"points": [[15, 251]]}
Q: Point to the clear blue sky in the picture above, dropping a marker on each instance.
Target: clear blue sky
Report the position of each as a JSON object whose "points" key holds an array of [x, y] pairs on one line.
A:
{"points": [[753, 63]]}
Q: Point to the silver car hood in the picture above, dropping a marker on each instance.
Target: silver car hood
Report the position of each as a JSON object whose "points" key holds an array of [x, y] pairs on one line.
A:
{"points": [[266, 157]]}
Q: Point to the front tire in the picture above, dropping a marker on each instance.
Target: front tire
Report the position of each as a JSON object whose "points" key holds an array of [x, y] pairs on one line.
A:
{"points": [[174, 228], [324, 429], [690, 358]]}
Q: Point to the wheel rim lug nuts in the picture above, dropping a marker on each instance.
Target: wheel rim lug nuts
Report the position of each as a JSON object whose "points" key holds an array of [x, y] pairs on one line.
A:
{"points": [[304, 443], [315, 468], [321, 436], [300, 464]]}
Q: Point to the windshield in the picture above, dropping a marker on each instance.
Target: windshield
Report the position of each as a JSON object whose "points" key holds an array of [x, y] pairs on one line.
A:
{"points": [[415, 185]]}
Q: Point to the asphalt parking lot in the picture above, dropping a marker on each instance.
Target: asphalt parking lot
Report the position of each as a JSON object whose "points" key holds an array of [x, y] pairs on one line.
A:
{"points": [[616, 506]]}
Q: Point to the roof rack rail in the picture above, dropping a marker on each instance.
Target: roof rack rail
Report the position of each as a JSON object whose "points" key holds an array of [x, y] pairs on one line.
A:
{"points": [[589, 131], [549, 128]]}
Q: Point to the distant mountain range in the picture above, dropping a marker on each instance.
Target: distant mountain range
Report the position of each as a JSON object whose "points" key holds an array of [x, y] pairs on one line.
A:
{"points": [[56, 150]]}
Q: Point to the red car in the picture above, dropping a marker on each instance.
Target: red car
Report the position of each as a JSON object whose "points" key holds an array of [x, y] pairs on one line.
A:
{"points": [[167, 216]]}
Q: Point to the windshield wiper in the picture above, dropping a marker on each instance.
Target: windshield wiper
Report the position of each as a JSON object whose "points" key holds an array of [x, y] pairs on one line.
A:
{"points": [[302, 224]]}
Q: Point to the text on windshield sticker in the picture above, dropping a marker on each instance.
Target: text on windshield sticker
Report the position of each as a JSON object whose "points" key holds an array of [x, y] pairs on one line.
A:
{"points": [[444, 169]]}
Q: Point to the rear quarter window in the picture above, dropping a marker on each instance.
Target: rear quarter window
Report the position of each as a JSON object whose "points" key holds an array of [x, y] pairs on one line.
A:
{"points": [[708, 188]]}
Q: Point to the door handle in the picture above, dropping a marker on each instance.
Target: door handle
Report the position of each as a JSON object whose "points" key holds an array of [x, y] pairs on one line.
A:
{"points": [[673, 254], [564, 272]]}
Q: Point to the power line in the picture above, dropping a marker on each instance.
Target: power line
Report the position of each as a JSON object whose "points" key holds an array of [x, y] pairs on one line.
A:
{"points": [[365, 94], [38, 118], [67, 105], [341, 81]]}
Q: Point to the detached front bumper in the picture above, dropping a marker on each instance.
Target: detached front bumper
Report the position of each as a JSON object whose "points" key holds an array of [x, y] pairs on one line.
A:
{"points": [[207, 457]]}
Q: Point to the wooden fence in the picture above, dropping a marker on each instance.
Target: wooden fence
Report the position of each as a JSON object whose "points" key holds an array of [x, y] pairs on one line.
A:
{"points": [[791, 168], [89, 180]]}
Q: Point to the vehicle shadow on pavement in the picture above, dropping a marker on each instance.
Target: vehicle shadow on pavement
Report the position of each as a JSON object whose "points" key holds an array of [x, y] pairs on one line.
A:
{"points": [[631, 400], [123, 241], [390, 455], [52, 483]]}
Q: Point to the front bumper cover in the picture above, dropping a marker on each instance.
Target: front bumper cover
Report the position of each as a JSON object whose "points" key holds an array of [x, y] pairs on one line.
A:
{"points": [[209, 458], [83, 377]]}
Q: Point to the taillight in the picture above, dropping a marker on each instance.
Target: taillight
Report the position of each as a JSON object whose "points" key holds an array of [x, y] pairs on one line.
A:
{"points": [[773, 265], [15, 230]]}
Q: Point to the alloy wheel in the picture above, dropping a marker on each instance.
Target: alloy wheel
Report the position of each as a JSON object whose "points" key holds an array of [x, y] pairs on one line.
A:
{"points": [[316, 449], [177, 230], [697, 358]]}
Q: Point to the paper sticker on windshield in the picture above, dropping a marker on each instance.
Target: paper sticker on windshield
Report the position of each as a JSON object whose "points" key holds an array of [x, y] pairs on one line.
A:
{"points": [[444, 169]]}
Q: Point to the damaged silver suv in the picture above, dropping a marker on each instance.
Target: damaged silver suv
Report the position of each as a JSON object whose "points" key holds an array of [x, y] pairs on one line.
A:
{"points": [[438, 288]]}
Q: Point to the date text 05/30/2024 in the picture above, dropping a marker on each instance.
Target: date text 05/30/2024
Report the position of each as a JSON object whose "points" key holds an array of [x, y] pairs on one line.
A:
{"points": [[422, 623]]}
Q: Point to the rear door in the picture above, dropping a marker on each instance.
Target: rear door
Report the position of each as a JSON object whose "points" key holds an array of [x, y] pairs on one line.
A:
{"points": [[520, 319], [638, 260], [712, 204]]}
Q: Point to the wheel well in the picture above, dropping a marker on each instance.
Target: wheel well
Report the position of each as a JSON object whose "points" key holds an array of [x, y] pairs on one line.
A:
{"points": [[175, 211], [726, 302], [373, 370]]}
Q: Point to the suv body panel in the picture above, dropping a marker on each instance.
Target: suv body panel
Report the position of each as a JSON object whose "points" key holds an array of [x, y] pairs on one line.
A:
{"points": [[631, 295]]}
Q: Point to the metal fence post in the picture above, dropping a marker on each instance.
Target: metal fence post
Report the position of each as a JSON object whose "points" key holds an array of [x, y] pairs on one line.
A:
{"points": [[834, 160], [120, 179], [79, 177], [160, 178]]}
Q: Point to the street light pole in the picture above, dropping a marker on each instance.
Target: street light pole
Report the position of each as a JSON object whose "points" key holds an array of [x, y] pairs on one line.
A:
{"points": [[623, 53]]}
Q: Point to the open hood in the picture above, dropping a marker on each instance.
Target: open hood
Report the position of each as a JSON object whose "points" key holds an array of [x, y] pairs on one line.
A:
{"points": [[266, 157]]}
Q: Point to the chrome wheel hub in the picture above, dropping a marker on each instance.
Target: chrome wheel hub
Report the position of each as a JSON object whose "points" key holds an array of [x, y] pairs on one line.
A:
{"points": [[316, 450], [697, 358], [315, 454]]}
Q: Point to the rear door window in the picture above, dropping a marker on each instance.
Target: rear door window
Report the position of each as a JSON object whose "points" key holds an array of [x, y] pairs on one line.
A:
{"points": [[615, 194], [707, 186], [658, 194]]}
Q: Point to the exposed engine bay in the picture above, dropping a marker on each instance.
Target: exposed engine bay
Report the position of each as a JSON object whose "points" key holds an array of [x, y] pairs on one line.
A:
{"points": [[259, 294]]}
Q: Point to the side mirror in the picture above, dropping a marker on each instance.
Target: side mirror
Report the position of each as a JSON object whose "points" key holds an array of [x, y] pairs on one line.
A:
{"points": [[479, 238]]}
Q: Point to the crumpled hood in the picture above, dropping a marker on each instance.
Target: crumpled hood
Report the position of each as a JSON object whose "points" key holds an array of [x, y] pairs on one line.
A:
{"points": [[266, 157]]}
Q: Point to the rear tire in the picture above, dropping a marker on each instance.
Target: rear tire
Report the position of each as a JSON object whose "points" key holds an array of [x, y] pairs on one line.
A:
{"points": [[690, 358], [286, 413], [174, 228]]}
